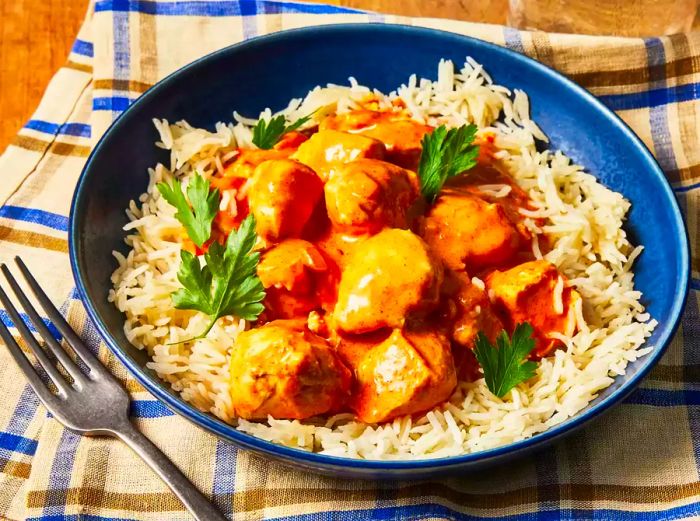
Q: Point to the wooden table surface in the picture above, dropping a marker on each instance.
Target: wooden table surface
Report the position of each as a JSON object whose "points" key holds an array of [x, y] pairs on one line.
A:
{"points": [[35, 38], [45, 29]]}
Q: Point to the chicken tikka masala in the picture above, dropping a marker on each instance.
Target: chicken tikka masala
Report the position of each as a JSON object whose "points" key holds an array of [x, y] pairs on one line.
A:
{"points": [[374, 294]]}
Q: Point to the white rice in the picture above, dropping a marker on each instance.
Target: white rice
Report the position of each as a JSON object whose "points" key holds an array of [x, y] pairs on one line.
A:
{"points": [[497, 191], [582, 218], [479, 283], [557, 296]]}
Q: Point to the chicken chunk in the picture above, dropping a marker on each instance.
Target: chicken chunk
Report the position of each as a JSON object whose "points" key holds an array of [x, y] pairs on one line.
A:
{"points": [[367, 195], [408, 373], [466, 231], [282, 197], [388, 277], [287, 372], [402, 139], [492, 183], [535, 292], [352, 348], [297, 277], [339, 246], [401, 136], [244, 164], [326, 150]]}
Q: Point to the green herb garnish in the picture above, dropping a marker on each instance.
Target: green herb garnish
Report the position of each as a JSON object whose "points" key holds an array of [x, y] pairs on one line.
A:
{"points": [[506, 366], [445, 154], [267, 133], [198, 217], [228, 284]]}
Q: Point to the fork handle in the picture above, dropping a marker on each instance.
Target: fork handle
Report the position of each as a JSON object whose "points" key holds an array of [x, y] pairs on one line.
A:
{"points": [[199, 506]]}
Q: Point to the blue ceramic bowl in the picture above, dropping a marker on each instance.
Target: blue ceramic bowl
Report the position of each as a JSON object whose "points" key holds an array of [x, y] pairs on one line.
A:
{"points": [[270, 70]]}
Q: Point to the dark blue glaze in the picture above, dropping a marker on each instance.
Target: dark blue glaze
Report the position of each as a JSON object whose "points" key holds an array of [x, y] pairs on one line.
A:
{"points": [[270, 70]]}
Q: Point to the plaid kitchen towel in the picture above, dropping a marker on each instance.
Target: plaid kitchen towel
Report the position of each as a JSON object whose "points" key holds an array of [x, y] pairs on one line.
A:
{"points": [[639, 462]]}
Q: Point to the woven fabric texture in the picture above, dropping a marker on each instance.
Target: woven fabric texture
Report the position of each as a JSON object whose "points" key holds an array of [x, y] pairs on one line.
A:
{"points": [[640, 462]]}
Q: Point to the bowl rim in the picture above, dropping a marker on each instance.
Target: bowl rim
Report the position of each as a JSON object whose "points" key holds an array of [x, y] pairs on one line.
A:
{"points": [[230, 433]]}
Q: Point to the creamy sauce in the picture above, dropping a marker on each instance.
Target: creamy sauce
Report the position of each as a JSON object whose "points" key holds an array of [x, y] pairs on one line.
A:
{"points": [[393, 289]]}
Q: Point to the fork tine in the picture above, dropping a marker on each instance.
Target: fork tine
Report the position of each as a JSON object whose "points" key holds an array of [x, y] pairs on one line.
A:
{"points": [[39, 353], [51, 343], [62, 325], [44, 393]]}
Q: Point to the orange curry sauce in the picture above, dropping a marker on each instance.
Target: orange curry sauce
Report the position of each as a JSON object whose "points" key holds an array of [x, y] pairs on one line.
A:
{"points": [[374, 298]]}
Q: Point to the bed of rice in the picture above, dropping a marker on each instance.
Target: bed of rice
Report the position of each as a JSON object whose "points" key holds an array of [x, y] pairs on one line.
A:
{"points": [[582, 218]]}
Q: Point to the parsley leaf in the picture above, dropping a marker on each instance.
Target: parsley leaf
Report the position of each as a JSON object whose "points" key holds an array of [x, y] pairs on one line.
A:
{"points": [[228, 284], [196, 219], [506, 367], [446, 153], [267, 133]]}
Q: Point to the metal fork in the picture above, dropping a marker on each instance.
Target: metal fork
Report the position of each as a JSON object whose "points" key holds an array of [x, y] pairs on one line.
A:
{"points": [[94, 403]]}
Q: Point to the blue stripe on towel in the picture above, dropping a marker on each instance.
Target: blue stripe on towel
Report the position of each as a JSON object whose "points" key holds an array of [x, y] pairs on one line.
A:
{"points": [[652, 98], [214, 8], [113, 103], [33, 215], [67, 129], [83, 48]]}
